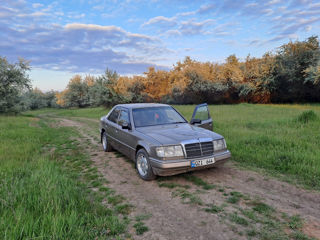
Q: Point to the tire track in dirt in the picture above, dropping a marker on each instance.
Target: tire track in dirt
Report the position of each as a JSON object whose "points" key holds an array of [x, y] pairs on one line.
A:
{"points": [[282, 195], [171, 219]]}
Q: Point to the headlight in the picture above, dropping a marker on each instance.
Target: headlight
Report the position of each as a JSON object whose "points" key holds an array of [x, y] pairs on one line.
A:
{"points": [[170, 151], [219, 145]]}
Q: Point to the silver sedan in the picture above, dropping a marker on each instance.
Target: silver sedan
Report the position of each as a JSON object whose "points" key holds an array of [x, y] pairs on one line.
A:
{"points": [[161, 141]]}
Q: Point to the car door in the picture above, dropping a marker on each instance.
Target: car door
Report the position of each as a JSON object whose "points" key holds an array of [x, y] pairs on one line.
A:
{"points": [[125, 136], [201, 117], [112, 127]]}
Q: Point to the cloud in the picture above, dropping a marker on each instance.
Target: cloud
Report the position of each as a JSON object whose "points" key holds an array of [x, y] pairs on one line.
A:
{"points": [[308, 28], [173, 33], [80, 47], [58, 36], [78, 16], [76, 47], [299, 3], [225, 29], [299, 25], [255, 42], [203, 9], [206, 8], [256, 9], [161, 21], [281, 37], [176, 27], [192, 27], [291, 25], [273, 2], [37, 5], [185, 14], [33, 14]]}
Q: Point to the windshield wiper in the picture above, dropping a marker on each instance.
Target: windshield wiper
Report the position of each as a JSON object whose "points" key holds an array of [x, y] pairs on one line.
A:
{"points": [[178, 122]]}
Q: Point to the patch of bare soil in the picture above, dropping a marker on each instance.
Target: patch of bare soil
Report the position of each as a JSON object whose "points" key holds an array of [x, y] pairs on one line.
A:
{"points": [[69, 123], [173, 219], [34, 122], [312, 229]]}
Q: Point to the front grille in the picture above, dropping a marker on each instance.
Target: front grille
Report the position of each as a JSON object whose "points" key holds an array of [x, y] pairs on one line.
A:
{"points": [[201, 149]]}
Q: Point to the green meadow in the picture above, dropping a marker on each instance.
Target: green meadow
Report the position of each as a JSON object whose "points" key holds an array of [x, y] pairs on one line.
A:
{"points": [[40, 166], [282, 139], [41, 196]]}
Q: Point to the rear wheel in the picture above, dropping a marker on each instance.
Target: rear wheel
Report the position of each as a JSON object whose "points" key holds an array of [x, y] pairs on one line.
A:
{"points": [[143, 165], [105, 144]]}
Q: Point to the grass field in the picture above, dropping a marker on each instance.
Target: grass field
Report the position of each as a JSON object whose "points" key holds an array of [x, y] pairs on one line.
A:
{"points": [[281, 139], [41, 196]]}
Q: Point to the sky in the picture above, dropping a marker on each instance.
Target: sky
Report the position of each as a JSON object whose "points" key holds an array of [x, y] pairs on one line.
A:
{"points": [[64, 38]]}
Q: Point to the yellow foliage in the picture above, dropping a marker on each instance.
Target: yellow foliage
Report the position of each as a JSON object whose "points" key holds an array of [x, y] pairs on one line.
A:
{"points": [[156, 83], [60, 97], [75, 79], [89, 80], [122, 85]]}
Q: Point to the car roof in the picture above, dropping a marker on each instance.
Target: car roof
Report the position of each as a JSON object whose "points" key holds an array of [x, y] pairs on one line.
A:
{"points": [[141, 105]]}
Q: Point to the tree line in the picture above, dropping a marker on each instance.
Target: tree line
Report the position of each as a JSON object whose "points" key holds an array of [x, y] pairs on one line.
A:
{"points": [[16, 92], [289, 74]]}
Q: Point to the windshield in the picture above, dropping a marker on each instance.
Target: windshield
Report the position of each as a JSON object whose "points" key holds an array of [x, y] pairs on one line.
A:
{"points": [[151, 116]]}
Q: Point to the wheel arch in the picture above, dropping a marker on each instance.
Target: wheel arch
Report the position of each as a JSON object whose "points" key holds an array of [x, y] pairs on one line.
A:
{"points": [[142, 145], [101, 133]]}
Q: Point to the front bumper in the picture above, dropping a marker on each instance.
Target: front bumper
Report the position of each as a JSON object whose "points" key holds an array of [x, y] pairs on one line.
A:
{"points": [[172, 167]]}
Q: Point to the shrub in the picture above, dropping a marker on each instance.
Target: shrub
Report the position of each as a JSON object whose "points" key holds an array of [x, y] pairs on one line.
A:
{"points": [[307, 116]]}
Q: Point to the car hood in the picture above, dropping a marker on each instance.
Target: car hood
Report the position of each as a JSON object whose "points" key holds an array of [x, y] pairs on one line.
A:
{"points": [[176, 133]]}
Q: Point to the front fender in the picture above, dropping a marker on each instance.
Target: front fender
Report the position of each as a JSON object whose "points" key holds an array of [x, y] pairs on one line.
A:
{"points": [[146, 146]]}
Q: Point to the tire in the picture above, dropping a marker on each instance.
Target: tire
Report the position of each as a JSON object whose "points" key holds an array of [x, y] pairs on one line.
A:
{"points": [[143, 165], [105, 143]]}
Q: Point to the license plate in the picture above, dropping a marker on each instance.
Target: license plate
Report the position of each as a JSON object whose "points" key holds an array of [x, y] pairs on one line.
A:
{"points": [[202, 162]]}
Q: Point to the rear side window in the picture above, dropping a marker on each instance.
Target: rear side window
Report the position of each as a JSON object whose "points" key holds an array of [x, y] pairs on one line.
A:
{"points": [[113, 117], [124, 117]]}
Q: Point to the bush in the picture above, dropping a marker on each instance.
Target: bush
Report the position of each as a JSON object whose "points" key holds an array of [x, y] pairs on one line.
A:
{"points": [[307, 116]]}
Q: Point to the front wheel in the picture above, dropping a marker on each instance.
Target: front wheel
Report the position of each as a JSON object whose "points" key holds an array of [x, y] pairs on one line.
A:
{"points": [[143, 165], [105, 143]]}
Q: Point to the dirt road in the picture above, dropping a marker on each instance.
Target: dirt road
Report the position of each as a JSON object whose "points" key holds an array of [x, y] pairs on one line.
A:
{"points": [[219, 203]]}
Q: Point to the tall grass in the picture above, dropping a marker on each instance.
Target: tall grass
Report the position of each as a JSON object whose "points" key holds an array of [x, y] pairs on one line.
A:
{"points": [[39, 198]]}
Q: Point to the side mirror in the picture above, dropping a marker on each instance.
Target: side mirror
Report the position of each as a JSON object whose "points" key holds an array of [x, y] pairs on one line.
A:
{"points": [[195, 121], [126, 125]]}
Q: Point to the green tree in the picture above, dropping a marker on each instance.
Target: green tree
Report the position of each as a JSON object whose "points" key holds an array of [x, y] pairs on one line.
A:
{"points": [[76, 94], [136, 91], [34, 99], [103, 91], [14, 82], [51, 99], [292, 63], [200, 90]]}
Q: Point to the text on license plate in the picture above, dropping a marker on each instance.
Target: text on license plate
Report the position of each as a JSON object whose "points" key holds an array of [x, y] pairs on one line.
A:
{"points": [[202, 162]]}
